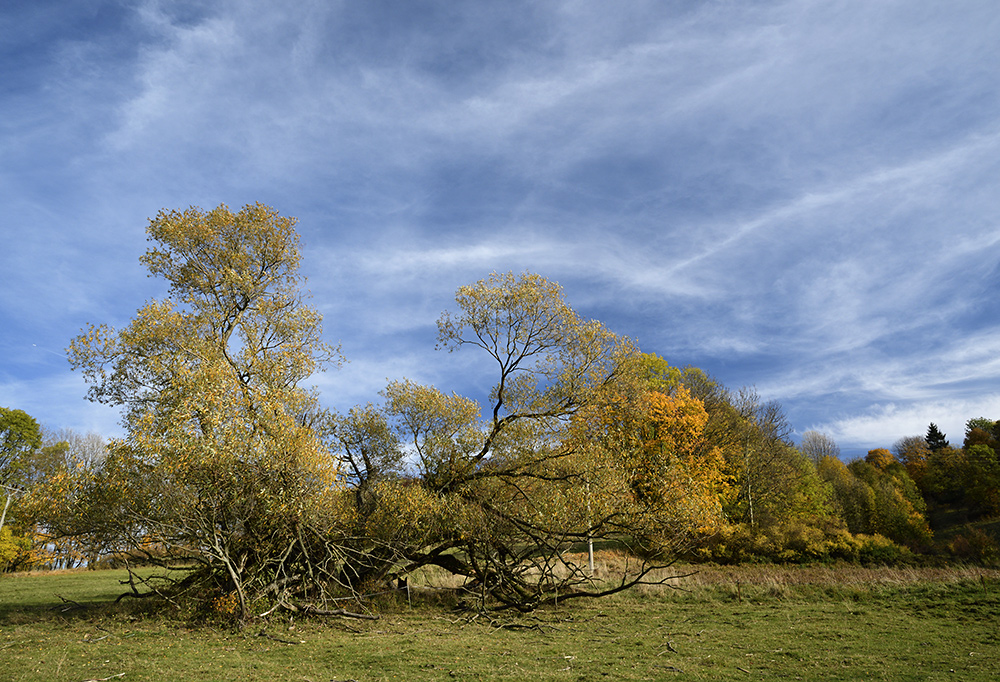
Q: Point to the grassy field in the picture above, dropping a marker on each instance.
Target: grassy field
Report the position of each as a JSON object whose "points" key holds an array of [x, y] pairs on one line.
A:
{"points": [[746, 623]]}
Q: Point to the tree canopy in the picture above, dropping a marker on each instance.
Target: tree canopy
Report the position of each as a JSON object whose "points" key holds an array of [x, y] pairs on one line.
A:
{"points": [[20, 436], [218, 464]]}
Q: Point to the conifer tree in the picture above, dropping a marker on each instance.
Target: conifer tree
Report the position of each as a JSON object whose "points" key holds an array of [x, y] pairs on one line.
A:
{"points": [[935, 439]]}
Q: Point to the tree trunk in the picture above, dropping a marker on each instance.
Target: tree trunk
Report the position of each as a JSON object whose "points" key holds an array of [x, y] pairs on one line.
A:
{"points": [[6, 506]]}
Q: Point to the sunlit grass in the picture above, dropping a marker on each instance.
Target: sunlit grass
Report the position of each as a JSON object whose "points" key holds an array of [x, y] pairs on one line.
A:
{"points": [[719, 623]]}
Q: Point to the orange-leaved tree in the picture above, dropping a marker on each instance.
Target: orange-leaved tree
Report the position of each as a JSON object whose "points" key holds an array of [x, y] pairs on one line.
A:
{"points": [[672, 477]]}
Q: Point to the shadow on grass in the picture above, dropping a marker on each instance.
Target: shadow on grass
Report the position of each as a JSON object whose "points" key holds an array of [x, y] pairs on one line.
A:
{"points": [[66, 595]]}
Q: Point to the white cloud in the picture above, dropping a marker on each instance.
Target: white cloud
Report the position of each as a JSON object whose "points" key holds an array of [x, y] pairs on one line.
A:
{"points": [[881, 425], [802, 194]]}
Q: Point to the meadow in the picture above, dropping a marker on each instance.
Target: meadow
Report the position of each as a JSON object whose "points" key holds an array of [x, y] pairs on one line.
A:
{"points": [[753, 622]]}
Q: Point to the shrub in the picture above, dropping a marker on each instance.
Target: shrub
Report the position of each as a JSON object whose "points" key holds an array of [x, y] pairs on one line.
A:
{"points": [[875, 549], [975, 545], [797, 542], [14, 550]]}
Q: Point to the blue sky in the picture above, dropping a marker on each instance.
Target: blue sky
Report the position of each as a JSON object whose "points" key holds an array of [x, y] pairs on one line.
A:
{"points": [[801, 196]]}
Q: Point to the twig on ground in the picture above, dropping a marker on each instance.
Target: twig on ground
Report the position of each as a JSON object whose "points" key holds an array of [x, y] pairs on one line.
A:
{"points": [[69, 605], [105, 679], [670, 648], [344, 613], [540, 627], [263, 633], [308, 609]]}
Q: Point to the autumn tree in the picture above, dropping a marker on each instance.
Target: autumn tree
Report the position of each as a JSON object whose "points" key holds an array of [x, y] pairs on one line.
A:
{"points": [[675, 476], [853, 499], [672, 459], [965, 478], [989, 426], [912, 452], [877, 496], [982, 431], [982, 447], [898, 510], [880, 458], [516, 484], [217, 467], [20, 436]]}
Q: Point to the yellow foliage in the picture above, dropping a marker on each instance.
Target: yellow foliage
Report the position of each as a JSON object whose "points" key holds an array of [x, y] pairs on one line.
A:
{"points": [[14, 549], [879, 458], [217, 455], [226, 604], [649, 447]]}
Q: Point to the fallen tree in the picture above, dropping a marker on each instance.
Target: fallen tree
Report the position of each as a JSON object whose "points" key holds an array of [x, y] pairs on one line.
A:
{"points": [[230, 467]]}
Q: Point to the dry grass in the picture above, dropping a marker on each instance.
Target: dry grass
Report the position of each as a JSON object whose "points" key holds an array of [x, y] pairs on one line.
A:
{"points": [[743, 581], [833, 575]]}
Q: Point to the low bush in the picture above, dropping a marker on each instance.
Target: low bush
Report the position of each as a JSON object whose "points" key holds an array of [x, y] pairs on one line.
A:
{"points": [[975, 545], [797, 543]]}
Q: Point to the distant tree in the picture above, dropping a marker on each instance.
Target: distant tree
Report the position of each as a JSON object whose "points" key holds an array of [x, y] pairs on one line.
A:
{"points": [[45, 462], [86, 450], [946, 476], [64, 455], [880, 458], [983, 423], [981, 431], [912, 452], [935, 439], [854, 500], [758, 457], [878, 500], [900, 509], [801, 495], [817, 445], [978, 437], [20, 436], [982, 489]]}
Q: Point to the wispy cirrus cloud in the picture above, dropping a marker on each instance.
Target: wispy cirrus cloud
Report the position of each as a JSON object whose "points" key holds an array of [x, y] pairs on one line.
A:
{"points": [[795, 195]]}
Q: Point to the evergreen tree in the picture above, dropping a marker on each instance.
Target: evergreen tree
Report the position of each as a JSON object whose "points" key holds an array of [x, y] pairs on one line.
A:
{"points": [[935, 439]]}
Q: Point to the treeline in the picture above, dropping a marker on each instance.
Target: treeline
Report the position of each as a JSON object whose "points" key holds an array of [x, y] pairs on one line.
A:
{"points": [[233, 470], [779, 502], [776, 502], [884, 507]]}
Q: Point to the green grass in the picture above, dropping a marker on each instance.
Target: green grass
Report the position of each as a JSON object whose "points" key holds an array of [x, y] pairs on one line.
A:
{"points": [[747, 623]]}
